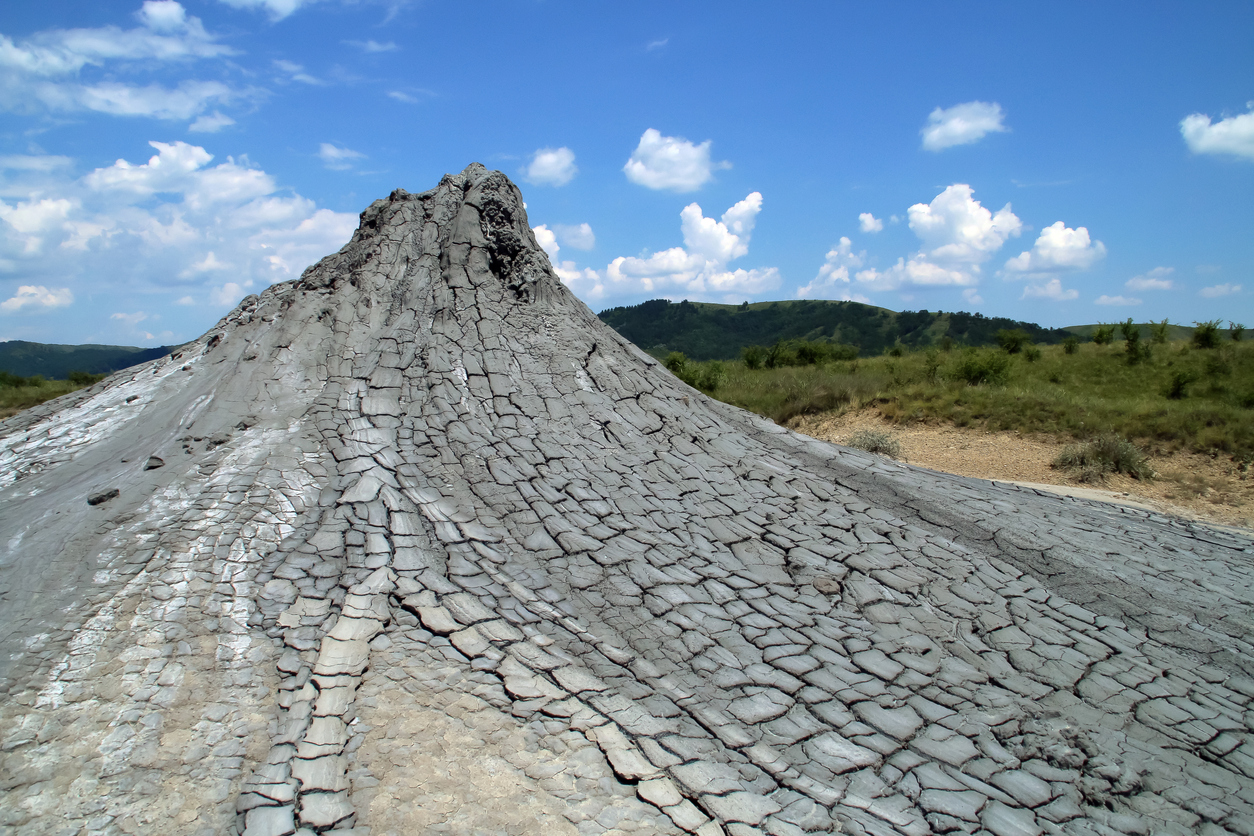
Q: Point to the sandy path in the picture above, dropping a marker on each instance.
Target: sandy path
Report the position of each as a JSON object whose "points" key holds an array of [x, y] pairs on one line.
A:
{"points": [[1189, 484]]}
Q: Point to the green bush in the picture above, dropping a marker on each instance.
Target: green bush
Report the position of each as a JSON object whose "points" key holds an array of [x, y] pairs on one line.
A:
{"points": [[1108, 453], [84, 378], [975, 367], [1031, 353], [753, 355], [1158, 332], [1134, 350], [1012, 341], [1206, 334], [1103, 334], [875, 441], [1236, 330], [1070, 345], [1177, 385]]}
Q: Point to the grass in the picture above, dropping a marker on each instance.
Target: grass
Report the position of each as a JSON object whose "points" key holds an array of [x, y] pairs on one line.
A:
{"points": [[18, 393], [1092, 461], [875, 441], [1172, 396]]}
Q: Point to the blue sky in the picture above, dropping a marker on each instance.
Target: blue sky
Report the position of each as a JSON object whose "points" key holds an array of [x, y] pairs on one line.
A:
{"points": [[1063, 164]]}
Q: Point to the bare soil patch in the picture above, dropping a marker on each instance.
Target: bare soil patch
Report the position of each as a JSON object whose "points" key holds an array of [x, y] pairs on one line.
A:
{"points": [[1190, 485]]}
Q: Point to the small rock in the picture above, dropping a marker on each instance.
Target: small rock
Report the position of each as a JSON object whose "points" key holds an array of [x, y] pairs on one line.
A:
{"points": [[153, 463], [103, 496]]}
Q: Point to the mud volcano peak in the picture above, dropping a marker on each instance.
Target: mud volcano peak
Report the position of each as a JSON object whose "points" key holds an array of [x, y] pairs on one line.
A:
{"points": [[416, 544]]}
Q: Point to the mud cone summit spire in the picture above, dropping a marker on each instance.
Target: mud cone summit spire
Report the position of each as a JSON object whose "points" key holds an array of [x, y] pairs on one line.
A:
{"points": [[417, 544]]}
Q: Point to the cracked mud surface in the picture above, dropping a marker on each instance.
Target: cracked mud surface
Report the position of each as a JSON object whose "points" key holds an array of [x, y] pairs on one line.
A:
{"points": [[433, 550]]}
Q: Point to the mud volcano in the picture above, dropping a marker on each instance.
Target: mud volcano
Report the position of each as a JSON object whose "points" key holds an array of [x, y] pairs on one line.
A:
{"points": [[416, 544]]}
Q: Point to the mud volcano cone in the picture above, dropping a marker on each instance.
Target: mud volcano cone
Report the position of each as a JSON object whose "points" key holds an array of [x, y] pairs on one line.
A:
{"points": [[416, 544]]}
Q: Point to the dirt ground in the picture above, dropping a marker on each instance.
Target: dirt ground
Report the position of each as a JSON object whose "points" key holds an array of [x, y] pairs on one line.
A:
{"points": [[1190, 485]]}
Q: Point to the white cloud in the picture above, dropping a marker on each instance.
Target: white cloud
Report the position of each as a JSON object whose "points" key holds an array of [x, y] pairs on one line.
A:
{"points": [[551, 167], [962, 124], [547, 241], [48, 69], [1215, 291], [1117, 300], [210, 123], [869, 223], [185, 300], [336, 158], [579, 237], [1058, 248], [226, 295], [972, 296], [175, 221], [373, 46], [131, 319], [670, 162], [1155, 279], [658, 44], [958, 235], [1051, 289], [1232, 135], [31, 162], [276, 9], [37, 299], [699, 268], [296, 72], [833, 277]]}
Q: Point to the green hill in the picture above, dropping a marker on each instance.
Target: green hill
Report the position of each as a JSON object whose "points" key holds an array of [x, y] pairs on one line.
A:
{"points": [[706, 331], [26, 359]]}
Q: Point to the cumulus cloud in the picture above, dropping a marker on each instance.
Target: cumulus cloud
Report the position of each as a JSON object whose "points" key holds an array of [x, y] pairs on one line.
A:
{"points": [[59, 70], [832, 280], [1215, 291], [958, 235], [699, 268], [579, 237], [336, 158], [131, 319], [671, 162], [1232, 135], [296, 72], [962, 124], [551, 167], [226, 295], [171, 225], [1057, 249], [37, 299], [1155, 279], [1051, 289], [185, 300], [869, 223], [547, 241], [1117, 300]]}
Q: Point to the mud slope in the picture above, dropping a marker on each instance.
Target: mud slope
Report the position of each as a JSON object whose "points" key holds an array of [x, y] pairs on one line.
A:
{"points": [[416, 544]]}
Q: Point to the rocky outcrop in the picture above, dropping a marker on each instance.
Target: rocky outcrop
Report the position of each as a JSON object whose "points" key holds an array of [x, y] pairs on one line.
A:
{"points": [[430, 549]]}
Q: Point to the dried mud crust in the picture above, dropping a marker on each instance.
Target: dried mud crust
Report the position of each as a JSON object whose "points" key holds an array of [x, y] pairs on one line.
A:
{"points": [[1189, 485], [470, 551]]}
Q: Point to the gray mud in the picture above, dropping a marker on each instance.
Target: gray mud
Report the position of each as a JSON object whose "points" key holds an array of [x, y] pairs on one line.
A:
{"points": [[433, 550]]}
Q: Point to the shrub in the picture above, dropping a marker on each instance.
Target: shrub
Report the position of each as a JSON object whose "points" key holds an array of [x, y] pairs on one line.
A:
{"points": [[84, 378], [975, 367], [1236, 330], [1177, 386], [1158, 332], [1103, 334], [1108, 453], [1070, 345], [676, 363], [875, 441], [1132, 343], [753, 355], [1012, 341], [1206, 334], [947, 344], [896, 350], [711, 376], [1031, 354]]}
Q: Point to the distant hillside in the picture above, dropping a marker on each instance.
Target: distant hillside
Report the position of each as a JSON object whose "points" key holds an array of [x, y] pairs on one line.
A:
{"points": [[25, 359], [705, 331]]}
